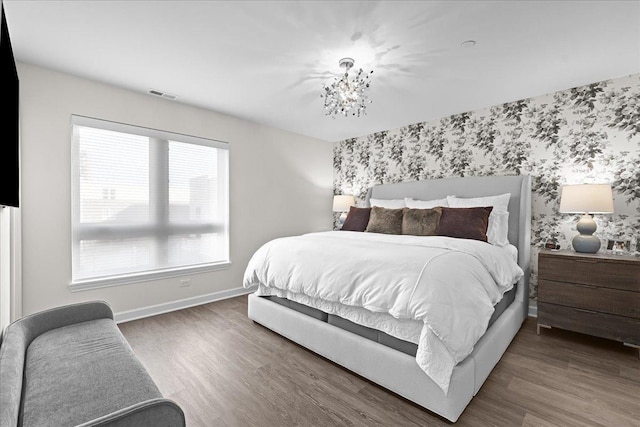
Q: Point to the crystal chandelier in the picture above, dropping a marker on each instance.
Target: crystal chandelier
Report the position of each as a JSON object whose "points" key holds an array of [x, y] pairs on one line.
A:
{"points": [[347, 97]]}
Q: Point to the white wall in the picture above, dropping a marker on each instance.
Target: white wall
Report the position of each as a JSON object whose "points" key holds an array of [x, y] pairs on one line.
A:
{"points": [[280, 184]]}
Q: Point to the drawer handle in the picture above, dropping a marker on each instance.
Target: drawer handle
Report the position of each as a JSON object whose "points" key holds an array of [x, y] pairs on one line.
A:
{"points": [[585, 311], [586, 261]]}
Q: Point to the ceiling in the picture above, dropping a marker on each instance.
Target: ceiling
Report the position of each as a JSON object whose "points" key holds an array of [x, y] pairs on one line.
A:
{"points": [[266, 61]]}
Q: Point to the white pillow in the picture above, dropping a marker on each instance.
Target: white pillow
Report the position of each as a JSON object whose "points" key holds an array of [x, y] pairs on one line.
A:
{"points": [[388, 203], [425, 204], [499, 203], [498, 229]]}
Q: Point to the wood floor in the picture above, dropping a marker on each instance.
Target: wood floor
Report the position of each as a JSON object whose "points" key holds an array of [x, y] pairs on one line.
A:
{"points": [[225, 370]]}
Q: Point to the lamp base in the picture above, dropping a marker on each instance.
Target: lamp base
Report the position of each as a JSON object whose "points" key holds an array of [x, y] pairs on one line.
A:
{"points": [[586, 242], [343, 216]]}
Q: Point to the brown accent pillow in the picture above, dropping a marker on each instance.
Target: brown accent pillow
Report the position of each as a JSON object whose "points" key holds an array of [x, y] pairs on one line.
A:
{"points": [[387, 221], [421, 222], [357, 219], [465, 223]]}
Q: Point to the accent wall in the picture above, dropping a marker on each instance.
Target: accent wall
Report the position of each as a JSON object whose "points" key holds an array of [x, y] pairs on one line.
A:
{"points": [[588, 134]]}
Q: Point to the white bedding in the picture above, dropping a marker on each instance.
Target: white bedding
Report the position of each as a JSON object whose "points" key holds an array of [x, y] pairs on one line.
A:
{"points": [[442, 290]]}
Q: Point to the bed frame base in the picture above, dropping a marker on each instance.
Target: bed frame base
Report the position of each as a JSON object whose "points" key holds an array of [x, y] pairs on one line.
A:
{"points": [[390, 368], [398, 371]]}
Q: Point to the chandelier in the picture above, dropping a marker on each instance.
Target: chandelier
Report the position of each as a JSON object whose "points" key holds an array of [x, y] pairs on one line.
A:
{"points": [[347, 97]]}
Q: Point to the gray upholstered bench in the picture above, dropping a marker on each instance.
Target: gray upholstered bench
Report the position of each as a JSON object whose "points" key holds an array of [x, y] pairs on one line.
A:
{"points": [[71, 366]]}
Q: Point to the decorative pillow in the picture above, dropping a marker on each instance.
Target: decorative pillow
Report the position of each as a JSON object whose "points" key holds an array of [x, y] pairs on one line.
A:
{"points": [[387, 221], [421, 222], [357, 219], [499, 202], [465, 223], [498, 230], [425, 204], [387, 203]]}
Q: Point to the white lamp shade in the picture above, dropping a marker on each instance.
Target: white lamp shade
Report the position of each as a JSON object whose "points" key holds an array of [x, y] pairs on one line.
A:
{"points": [[343, 203], [586, 198]]}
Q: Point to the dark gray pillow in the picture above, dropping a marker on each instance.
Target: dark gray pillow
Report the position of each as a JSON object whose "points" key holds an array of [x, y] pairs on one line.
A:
{"points": [[357, 219], [421, 222], [387, 221], [465, 223]]}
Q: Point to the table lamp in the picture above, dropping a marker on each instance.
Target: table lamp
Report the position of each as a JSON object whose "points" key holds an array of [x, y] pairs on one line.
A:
{"points": [[586, 199], [342, 203]]}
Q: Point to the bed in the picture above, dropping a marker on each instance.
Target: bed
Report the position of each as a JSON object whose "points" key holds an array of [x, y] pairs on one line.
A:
{"points": [[375, 338]]}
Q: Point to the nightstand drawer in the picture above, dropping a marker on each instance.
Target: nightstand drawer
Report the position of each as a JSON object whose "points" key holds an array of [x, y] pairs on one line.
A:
{"points": [[603, 325], [606, 300], [590, 271]]}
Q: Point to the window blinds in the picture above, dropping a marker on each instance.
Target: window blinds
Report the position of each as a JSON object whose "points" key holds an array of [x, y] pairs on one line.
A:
{"points": [[145, 201]]}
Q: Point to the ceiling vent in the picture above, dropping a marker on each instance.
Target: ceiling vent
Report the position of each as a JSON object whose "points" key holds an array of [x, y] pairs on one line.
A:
{"points": [[161, 94]]}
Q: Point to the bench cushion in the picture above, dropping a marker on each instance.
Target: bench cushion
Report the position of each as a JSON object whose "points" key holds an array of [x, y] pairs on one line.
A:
{"points": [[81, 372]]}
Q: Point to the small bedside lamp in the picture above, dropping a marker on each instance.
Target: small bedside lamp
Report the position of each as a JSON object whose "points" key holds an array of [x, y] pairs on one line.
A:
{"points": [[586, 199], [342, 204]]}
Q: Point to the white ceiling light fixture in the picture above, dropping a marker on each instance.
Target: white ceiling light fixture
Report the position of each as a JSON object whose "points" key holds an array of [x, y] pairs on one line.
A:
{"points": [[347, 97]]}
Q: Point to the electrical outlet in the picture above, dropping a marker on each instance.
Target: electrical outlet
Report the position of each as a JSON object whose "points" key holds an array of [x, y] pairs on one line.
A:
{"points": [[185, 282]]}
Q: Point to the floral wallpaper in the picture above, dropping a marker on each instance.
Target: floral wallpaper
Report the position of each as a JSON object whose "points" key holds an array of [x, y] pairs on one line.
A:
{"points": [[588, 134]]}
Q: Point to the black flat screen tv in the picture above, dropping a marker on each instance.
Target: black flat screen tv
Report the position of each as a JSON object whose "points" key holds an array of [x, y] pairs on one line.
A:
{"points": [[9, 131]]}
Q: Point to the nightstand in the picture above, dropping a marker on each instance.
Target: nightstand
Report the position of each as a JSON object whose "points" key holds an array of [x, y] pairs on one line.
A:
{"points": [[595, 294]]}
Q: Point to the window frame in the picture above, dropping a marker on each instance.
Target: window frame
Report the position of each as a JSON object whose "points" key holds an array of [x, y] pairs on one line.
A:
{"points": [[158, 151]]}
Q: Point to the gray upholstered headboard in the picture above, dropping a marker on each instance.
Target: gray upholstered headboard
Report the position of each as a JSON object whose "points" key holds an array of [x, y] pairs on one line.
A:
{"points": [[478, 186]]}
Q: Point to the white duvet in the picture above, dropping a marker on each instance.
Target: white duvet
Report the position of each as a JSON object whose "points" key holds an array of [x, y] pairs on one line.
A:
{"points": [[440, 287]]}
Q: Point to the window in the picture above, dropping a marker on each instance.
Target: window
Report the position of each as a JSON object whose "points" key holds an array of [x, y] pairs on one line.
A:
{"points": [[145, 203]]}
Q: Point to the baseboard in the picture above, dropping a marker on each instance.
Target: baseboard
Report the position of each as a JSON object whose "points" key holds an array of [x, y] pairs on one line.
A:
{"points": [[533, 309], [153, 310]]}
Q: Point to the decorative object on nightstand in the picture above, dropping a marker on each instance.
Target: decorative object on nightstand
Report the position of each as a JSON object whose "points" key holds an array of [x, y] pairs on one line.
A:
{"points": [[619, 246], [342, 203], [552, 245], [586, 199], [594, 294]]}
